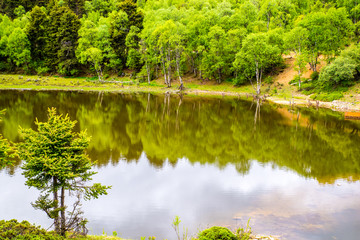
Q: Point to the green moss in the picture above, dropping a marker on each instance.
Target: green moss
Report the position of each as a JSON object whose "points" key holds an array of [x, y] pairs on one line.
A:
{"points": [[217, 233]]}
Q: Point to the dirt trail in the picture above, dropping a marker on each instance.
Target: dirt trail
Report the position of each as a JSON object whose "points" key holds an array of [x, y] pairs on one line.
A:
{"points": [[289, 72]]}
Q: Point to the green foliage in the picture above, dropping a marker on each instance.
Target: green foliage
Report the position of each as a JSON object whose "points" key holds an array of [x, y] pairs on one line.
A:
{"points": [[217, 233], [256, 57], [327, 97], [135, 16], [328, 32], [77, 6], [37, 32], [314, 76], [172, 38], [54, 162], [5, 149], [19, 47], [244, 234], [340, 73], [13, 229], [62, 37], [14, 43]]}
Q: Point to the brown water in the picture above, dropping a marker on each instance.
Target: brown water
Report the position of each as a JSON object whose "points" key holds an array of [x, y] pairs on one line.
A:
{"points": [[294, 172]]}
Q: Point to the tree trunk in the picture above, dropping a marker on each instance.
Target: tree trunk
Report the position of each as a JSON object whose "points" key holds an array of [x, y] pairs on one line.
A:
{"points": [[63, 219], [148, 72], [156, 71], [219, 73], [56, 205], [258, 78], [178, 55], [164, 69], [169, 68]]}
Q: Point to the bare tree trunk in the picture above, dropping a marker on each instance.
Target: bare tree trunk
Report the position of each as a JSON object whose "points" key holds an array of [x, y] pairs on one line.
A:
{"points": [[156, 71], [169, 68], [148, 72], [219, 73], [164, 69], [62, 211], [56, 205], [313, 63], [178, 55], [193, 66], [258, 79]]}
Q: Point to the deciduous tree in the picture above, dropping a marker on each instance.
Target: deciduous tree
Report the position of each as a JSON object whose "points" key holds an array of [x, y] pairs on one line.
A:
{"points": [[296, 41], [255, 57]]}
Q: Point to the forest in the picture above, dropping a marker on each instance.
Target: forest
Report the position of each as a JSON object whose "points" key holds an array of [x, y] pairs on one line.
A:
{"points": [[240, 41]]}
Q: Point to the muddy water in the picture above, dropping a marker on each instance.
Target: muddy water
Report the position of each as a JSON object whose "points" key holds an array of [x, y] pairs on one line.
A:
{"points": [[293, 172]]}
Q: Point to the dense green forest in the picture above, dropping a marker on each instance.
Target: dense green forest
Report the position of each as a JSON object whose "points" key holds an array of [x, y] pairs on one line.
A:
{"points": [[216, 40]]}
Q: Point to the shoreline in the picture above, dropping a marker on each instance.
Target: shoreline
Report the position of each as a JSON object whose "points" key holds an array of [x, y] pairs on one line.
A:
{"points": [[36, 83]]}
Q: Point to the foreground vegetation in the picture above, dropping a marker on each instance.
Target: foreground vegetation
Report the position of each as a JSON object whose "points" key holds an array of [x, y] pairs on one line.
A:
{"points": [[13, 229]]}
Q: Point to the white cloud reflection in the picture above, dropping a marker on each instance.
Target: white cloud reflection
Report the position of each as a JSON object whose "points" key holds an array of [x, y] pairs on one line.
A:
{"points": [[144, 200]]}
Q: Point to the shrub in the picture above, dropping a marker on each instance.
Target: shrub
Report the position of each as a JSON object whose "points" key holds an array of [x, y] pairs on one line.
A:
{"points": [[269, 80], [314, 76], [13, 229], [42, 70], [217, 233], [239, 80], [341, 72]]}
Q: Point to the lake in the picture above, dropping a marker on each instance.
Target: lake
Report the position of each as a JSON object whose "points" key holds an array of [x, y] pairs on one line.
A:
{"points": [[294, 172]]}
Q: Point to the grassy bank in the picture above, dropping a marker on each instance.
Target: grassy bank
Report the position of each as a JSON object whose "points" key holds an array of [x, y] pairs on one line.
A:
{"points": [[14, 229], [280, 93]]}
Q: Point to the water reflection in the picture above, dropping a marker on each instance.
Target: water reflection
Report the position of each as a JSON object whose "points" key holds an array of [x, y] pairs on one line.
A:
{"points": [[315, 144], [210, 161]]}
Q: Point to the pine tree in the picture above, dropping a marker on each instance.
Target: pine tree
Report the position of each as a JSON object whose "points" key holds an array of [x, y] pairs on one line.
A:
{"points": [[55, 162], [62, 40]]}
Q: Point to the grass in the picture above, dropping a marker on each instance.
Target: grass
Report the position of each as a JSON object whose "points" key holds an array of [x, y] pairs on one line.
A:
{"points": [[193, 87], [93, 237], [123, 84]]}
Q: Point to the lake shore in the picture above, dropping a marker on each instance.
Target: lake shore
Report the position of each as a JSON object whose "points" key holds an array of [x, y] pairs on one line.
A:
{"points": [[125, 85]]}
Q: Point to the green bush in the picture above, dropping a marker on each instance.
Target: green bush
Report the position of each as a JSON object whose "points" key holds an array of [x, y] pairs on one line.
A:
{"points": [[217, 233], [314, 76], [269, 80], [13, 229], [339, 73], [240, 80], [42, 70]]}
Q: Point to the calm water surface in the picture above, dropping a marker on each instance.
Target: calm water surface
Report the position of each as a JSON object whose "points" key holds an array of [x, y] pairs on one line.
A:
{"points": [[294, 172]]}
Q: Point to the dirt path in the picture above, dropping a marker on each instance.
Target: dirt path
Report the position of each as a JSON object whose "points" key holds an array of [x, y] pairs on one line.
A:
{"points": [[289, 73]]}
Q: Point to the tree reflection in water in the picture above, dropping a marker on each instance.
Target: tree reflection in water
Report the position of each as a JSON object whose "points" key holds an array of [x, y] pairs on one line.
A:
{"points": [[316, 144]]}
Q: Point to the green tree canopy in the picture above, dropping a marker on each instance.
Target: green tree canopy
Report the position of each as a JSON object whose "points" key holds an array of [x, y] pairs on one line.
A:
{"points": [[55, 161], [256, 56]]}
